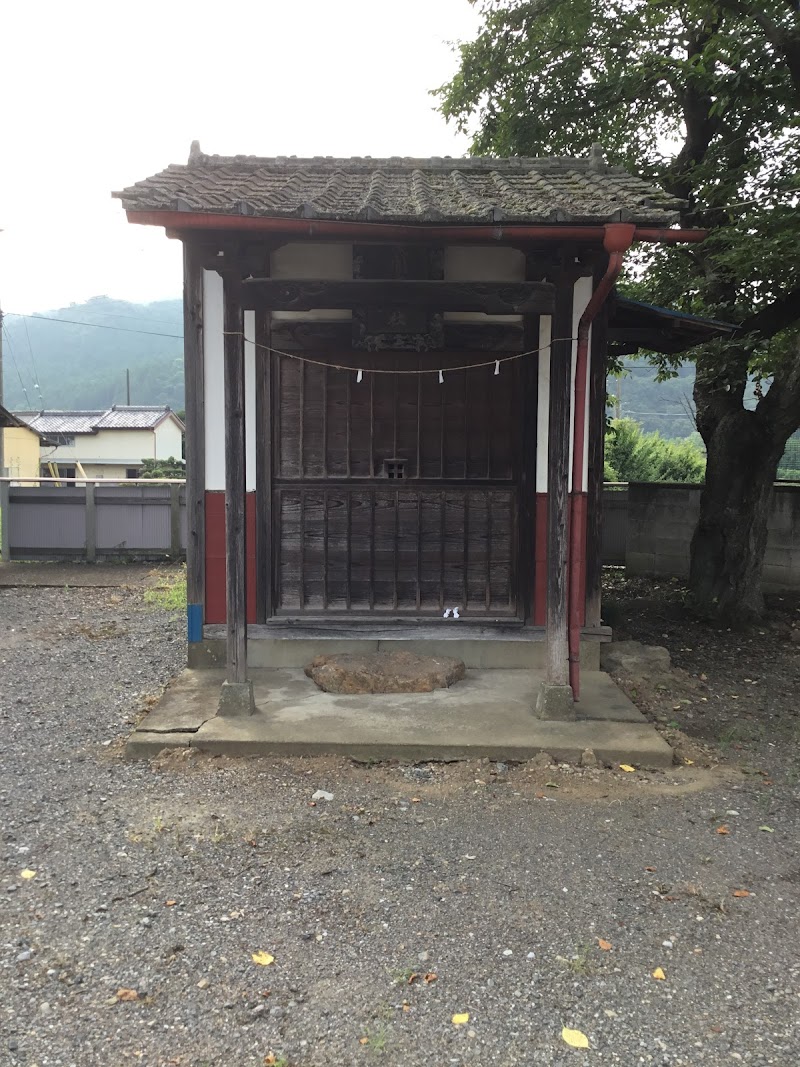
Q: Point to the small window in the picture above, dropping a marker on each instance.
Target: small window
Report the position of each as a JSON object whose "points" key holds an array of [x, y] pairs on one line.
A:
{"points": [[67, 439], [395, 468], [132, 472]]}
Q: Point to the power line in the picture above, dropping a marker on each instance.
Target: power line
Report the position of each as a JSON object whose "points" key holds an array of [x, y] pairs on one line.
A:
{"points": [[97, 325], [36, 380], [16, 366], [139, 318]]}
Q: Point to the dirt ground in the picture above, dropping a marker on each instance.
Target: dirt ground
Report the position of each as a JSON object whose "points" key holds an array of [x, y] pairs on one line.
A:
{"points": [[732, 693], [209, 912]]}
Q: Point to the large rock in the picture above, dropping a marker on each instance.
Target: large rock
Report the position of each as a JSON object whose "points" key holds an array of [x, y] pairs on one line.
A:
{"points": [[384, 672], [632, 657]]}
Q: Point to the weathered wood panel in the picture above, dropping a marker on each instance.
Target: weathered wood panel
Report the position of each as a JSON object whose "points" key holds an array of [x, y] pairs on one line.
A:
{"points": [[392, 550], [493, 298], [314, 337], [332, 426]]}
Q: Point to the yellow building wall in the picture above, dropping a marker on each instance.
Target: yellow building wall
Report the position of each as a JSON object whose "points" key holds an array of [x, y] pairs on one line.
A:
{"points": [[21, 452]]}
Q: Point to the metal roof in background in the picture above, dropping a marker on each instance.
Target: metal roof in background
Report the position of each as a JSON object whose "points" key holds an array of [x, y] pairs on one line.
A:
{"points": [[118, 417], [634, 325]]}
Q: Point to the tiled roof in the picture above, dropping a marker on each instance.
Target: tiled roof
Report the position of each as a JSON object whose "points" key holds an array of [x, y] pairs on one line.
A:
{"points": [[402, 190], [114, 418]]}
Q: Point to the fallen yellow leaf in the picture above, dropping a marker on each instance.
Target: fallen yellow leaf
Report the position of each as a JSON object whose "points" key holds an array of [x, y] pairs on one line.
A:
{"points": [[604, 945], [263, 959], [723, 830], [574, 1038], [270, 1059], [363, 1041], [627, 767], [170, 903], [688, 762], [459, 1020], [127, 994], [741, 892], [659, 974], [430, 977], [27, 873]]}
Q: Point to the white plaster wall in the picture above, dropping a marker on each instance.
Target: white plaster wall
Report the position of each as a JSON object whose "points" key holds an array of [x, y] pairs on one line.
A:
{"points": [[213, 357], [330, 262], [477, 263], [106, 446], [582, 294], [214, 384], [168, 439], [543, 402]]}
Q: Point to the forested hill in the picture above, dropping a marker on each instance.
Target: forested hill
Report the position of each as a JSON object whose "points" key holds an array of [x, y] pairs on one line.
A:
{"points": [[83, 366], [80, 360]]}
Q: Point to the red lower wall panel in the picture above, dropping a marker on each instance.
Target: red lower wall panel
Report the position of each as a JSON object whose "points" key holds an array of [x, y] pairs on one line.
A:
{"points": [[215, 557]]}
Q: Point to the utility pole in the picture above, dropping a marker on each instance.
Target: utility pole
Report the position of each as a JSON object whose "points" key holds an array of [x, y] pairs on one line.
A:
{"points": [[128, 385]]}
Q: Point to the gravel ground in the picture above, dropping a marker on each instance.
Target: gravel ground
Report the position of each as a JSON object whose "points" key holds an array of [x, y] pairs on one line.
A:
{"points": [[156, 884]]}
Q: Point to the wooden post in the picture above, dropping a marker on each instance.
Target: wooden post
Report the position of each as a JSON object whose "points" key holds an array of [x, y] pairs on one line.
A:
{"points": [[597, 426], [555, 700], [5, 521], [235, 522], [91, 524], [264, 592], [194, 381], [174, 521]]}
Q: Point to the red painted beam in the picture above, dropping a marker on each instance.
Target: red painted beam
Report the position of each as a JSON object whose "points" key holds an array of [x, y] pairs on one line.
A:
{"points": [[181, 221]]}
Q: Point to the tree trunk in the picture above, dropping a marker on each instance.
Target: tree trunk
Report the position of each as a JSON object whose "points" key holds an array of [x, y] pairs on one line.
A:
{"points": [[729, 543]]}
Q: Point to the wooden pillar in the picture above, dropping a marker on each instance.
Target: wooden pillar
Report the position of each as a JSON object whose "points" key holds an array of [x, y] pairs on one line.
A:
{"points": [[235, 522], [555, 699], [557, 486], [597, 426], [194, 381], [264, 435]]}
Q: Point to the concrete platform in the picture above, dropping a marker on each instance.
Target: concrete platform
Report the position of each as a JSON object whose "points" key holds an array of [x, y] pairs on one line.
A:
{"points": [[487, 715]]}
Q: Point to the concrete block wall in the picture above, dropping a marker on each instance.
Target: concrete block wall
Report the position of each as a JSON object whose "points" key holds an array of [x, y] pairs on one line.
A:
{"points": [[662, 518]]}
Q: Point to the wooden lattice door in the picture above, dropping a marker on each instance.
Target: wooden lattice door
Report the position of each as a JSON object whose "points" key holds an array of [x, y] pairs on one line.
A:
{"points": [[397, 495]]}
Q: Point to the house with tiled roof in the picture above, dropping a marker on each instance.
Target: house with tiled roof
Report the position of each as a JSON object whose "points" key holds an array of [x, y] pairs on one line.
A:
{"points": [[108, 443], [405, 360]]}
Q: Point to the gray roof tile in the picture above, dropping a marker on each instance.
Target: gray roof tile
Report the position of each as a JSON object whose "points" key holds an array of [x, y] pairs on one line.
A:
{"points": [[114, 418], [397, 190]]}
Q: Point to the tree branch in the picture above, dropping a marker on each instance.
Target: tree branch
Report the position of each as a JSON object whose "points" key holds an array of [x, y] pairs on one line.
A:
{"points": [[786, 41], [775, 317]]}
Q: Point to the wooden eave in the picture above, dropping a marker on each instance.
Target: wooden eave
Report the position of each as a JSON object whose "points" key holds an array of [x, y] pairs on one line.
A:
{"points": [[181, 224]]}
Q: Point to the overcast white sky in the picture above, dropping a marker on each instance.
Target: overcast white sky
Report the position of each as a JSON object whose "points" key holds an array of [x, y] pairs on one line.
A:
{"points": [[96, 96]]}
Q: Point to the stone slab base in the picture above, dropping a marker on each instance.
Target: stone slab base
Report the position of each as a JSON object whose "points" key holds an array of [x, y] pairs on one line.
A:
{"points": [[236, 700], [266, 652], [556, 702], [487, 715]]}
